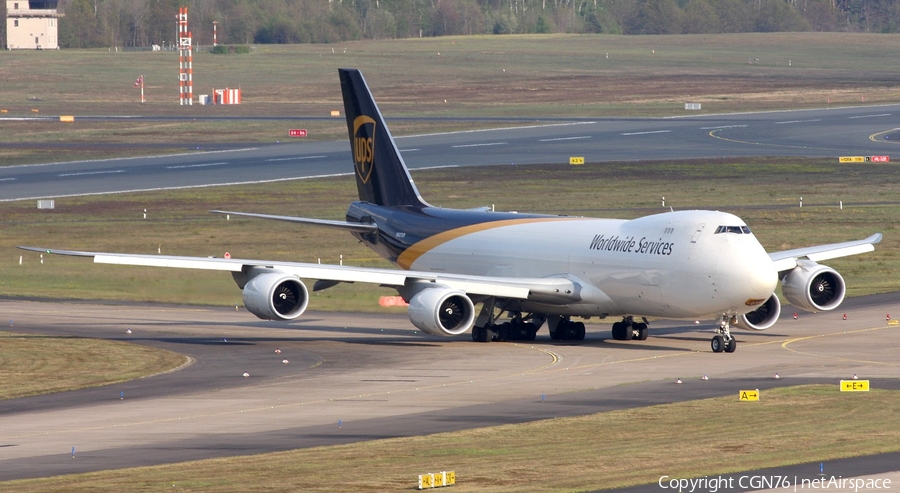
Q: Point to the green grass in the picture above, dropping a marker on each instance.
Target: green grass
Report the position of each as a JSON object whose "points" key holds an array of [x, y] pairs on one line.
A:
{"points": [[33, 364], [688, 439], [764, 192], [509, 76]]}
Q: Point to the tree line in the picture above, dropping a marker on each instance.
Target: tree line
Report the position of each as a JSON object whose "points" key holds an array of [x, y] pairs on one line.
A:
{"points": [[141, 23]]}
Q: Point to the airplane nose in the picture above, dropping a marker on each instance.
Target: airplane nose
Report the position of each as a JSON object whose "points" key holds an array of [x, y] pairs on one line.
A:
{"points": [[758, 268], [763, 278], [750, 269]]}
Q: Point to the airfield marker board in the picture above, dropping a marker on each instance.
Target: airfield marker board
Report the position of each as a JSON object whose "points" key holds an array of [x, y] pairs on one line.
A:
{"points": [[854, 385], [748, 395]]}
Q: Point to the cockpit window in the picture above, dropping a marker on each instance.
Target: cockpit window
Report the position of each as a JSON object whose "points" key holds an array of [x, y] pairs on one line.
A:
{"points": [[738, 230]]}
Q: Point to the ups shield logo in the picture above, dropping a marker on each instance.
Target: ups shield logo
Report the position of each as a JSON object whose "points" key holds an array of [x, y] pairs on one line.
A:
{"points": [[364, 147]]}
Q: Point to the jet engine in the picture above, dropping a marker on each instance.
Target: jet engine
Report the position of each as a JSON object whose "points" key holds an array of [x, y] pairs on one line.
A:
{"points": [[442, 311], [275, 296], [813, 287], [763, 317]]}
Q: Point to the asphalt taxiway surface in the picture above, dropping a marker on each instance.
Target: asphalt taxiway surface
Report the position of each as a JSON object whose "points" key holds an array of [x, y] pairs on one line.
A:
{"points": [[831, 132], [381, 379]]}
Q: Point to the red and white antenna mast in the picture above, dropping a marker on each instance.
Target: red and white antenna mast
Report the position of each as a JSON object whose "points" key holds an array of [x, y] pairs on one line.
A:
{"points": [[185, 59]]}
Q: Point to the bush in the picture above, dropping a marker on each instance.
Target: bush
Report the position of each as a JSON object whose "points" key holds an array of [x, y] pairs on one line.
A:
{"points": [[226, 49]]}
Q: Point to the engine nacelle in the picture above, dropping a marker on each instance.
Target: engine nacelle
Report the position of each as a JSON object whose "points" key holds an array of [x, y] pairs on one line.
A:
{"points": [[763, 317], [813, 287], [442, 311], [275, 295]]}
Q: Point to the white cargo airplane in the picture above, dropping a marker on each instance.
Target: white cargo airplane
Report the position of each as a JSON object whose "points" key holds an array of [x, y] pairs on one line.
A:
{"points": [[530, 268]]}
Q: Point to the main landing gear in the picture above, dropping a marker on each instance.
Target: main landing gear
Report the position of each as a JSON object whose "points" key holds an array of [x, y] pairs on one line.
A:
{"points": [[563, 329], [627, 330], [723, 340], [518, 328], [514, 330]]}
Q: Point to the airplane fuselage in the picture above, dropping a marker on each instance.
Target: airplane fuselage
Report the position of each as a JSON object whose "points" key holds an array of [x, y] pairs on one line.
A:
{"points": [[685, 264]]}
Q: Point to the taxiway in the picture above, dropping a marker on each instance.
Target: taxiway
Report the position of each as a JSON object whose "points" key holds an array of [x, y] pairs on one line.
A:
{"points": [[381, 379], [831, 132]]}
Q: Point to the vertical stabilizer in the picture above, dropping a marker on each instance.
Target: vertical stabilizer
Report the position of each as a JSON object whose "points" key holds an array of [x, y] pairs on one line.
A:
{"points": [[381, 175]]}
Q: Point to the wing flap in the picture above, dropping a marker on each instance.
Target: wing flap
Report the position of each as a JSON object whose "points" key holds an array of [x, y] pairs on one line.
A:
{"points": [[486, 288], [168, 261]]}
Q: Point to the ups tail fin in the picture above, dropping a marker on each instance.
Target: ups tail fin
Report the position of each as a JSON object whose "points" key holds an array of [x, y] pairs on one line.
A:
{"points": [[381, 174]]}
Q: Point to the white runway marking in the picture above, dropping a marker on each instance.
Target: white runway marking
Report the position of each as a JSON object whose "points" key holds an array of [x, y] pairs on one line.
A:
{"points": [[868, 116], [93, 173], [482, 145], [195, 165], [648, 132], [796, 121], [295, 158], [565, 138]]}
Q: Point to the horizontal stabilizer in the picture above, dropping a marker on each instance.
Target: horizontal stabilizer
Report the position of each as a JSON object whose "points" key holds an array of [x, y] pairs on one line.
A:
{"points": [[327, 223]]}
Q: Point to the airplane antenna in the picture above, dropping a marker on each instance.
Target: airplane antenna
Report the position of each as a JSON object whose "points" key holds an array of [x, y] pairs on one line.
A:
{"points": [[671, 209]]}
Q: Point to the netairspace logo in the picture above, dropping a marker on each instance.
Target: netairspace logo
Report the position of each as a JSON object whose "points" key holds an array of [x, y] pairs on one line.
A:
{"points": [[708, 484]]}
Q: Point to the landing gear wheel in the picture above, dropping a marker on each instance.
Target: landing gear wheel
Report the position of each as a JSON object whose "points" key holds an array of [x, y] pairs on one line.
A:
{"points": [[627, 330], [642, 331], [564, 330], [618, 331], [526, 332], [481, 334], [723, 340], [717, 344], [503, 331], [731, 346]]}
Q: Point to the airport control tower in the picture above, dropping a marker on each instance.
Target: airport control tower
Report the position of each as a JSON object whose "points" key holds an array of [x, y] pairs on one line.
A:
{"points": [[32, 25]]}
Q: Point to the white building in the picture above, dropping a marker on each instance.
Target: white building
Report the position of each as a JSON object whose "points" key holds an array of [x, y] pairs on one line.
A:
{"points": [[32, 25]]}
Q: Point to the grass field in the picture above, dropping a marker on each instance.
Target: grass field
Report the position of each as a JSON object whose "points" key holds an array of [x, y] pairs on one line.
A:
{"points": [[764, 192], [509, 76], [607, 450], [514, 76], [33, 364]]}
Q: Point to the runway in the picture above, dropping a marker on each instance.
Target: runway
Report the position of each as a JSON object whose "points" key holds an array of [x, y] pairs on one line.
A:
{"points": [[834, 132], [381, 379]]}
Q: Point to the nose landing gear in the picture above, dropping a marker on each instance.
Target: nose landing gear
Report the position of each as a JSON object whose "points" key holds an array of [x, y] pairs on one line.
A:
{"points": [[723, 340]]}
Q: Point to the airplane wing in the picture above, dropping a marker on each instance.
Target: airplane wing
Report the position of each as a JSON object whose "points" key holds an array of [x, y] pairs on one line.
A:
{"points": [[787, 259], [342, 225], [550, 289]]}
